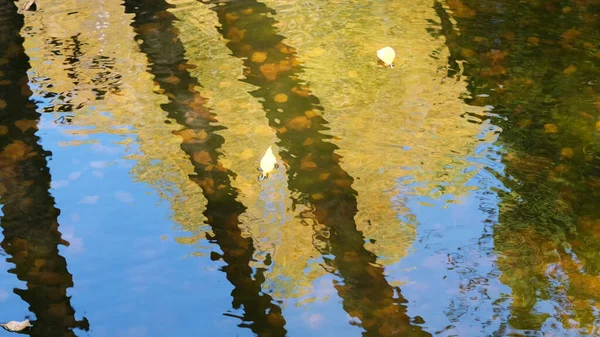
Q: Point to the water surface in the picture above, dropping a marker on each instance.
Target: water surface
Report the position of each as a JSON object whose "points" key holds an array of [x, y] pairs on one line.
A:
{"points": [[455, 194]]}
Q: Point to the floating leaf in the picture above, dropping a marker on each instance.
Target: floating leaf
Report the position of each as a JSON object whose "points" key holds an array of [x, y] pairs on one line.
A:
{"points": [[268, 162], [2, 104], [387, 55], [15, 326]]}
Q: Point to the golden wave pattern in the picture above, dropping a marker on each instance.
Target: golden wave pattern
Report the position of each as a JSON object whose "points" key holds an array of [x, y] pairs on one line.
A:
{"points": [[315, 178]]}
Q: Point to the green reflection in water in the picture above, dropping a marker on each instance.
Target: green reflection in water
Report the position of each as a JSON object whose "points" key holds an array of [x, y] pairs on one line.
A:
{"points": [[154, 26], [536, 63], [29, 220], [314, 174]]}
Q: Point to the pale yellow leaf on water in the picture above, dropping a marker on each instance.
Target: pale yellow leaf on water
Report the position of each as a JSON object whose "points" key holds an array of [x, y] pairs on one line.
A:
{"points": [[15, 326], [387, 55], [598, 125], [3, 130], [268, 161], [2, 104]]}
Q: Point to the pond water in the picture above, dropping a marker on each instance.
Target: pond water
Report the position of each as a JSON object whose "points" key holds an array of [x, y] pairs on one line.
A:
{"points": [[456, 194]]}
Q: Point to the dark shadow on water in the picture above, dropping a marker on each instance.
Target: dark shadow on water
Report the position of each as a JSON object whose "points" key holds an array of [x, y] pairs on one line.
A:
{"points": [[29, 221], [315, 177], [153, 25]]}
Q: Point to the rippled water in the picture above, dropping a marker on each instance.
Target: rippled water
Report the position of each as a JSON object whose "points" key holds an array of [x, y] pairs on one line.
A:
{"points": [[455, 195]]}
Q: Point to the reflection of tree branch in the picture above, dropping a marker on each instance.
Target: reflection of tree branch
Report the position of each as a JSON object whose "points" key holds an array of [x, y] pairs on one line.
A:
{"points": [[315, 176], [29, 222], [165, 51]]}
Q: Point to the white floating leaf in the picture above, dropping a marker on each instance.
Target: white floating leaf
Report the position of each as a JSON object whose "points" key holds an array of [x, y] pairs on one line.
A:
{"points": [[268, 162], [387, 55], [15, 326]]}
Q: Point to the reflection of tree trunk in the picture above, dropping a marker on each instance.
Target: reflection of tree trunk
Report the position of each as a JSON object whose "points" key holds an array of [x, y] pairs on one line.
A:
{"points": [[29, 222], [315, 177], [165, 52]]}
